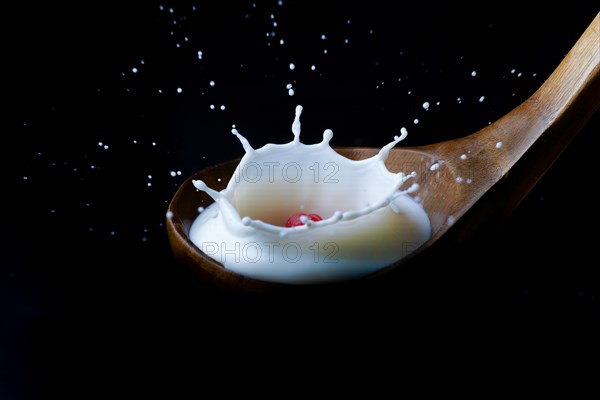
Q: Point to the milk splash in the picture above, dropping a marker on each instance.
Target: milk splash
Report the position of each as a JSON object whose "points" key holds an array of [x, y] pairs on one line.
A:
{"points": [[369, 219]]}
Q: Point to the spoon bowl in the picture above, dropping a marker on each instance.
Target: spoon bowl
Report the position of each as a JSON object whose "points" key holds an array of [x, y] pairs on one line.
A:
{"points": [[466, 185]]}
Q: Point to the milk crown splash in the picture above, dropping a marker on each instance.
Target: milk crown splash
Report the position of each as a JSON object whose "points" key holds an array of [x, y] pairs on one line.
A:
{"points": [[368, 220]]}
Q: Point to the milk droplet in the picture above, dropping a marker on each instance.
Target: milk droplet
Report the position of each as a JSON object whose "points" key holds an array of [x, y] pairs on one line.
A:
{"points": [[463, 157], [296, 127], [498, 145], [426, 105], [292, 66], [403, 134], [474, 73]]}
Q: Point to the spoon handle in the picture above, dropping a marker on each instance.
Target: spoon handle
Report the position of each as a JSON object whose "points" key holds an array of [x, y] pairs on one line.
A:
{"points": [[571, 94], [557, 111], [528, 139]]}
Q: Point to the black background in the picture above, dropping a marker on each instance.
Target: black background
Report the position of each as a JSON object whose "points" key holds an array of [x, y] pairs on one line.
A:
{"points": [[90, 297]]}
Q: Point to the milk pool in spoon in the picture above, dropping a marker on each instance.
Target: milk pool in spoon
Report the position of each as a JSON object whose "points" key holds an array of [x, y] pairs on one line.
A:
{"points": [[370, 218]]}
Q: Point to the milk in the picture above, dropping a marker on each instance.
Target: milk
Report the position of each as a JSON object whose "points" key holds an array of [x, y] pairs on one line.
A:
{"points": [[370, 219]]}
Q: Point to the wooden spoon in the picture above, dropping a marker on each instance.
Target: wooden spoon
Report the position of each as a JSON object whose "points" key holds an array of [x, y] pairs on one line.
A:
{"points": [[465, 183]]}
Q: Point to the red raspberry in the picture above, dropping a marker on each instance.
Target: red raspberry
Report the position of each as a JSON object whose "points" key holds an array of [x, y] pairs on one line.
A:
{"points": [[295, 220]]}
